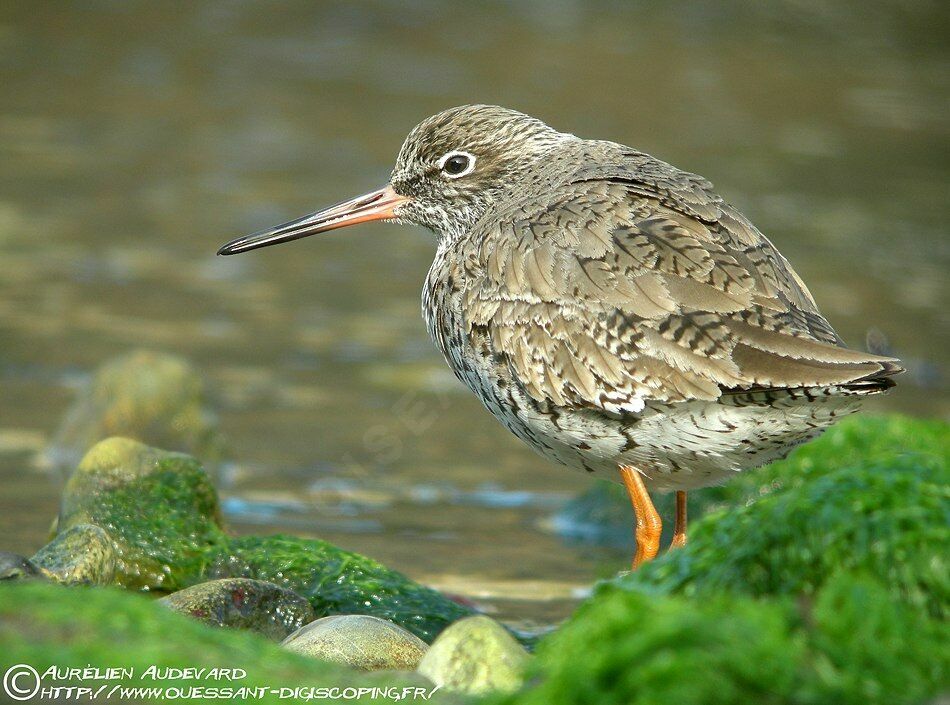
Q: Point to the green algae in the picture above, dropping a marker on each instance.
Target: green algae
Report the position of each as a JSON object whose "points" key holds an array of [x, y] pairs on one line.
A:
{"points": [[159, 508], [337, 581], [632, 649], [854, 644], [163, 515], [866, 647], [46, 625]]}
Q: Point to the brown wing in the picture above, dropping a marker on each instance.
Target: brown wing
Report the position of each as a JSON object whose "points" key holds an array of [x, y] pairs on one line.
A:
{"points": [[617, 292]]}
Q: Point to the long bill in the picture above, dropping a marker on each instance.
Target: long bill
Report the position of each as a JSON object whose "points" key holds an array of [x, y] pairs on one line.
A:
{"points": [[376, 205]]}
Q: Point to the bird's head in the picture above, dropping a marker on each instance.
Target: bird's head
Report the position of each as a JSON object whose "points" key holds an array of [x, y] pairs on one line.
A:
{"points": [[452, 168], [455, 165]]}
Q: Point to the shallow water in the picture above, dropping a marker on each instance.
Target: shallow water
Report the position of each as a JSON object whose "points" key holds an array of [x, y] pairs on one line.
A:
{"points": [[138, 137]]}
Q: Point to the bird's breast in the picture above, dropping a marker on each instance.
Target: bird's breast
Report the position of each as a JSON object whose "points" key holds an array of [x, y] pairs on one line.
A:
{"points": [[441, 304], [447, 306]]}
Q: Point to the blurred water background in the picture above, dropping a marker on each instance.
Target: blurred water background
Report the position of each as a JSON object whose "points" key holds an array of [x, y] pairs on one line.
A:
{"points": [[137, 137]]}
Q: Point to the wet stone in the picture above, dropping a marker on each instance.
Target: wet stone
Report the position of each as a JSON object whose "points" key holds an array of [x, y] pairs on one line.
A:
{"points": [[475, 655], [163, 545], [242, 603], [83, 554], [336, 581], [358, 641], [155, 398]]}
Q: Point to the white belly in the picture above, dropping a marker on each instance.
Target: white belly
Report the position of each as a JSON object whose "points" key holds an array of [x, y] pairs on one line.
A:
{"points": [[677, 446]]}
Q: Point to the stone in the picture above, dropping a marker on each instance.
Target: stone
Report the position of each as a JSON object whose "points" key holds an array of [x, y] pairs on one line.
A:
{"points": [[83, 554], [358, 641], [337, 581], [179, 541], [242, 603], [159, 508], [155, 398], [870, 497], [475, 655]]}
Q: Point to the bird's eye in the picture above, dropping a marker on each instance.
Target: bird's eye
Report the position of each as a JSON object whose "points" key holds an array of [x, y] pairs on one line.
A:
{"points": [[456, 164]]}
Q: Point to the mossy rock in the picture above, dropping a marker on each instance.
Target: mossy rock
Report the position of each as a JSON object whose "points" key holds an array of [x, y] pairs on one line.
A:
{"points": [[159, 508], [337, 581], [46, 625], [888, 517], [854, 644], [163, 516], [153, 397], [822, 579]]}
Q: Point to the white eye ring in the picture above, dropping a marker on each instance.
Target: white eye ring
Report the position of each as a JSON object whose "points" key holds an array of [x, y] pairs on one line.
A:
{"points": [[457, 153]]}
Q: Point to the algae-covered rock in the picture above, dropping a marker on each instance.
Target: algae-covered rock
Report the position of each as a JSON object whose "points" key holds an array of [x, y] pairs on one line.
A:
{"points": [[46, 625], [162, 514], [155, 398], [868, 647], [241, 603], [359, 641], [13, 566], [337, 581], [475, 655], [632, 649], [853, 645], [83, 554], [159, 508], [887, 517]]}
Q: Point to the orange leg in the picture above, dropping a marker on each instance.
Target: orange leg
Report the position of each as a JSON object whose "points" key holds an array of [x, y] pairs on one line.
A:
{"points": [[649, 525], [679, 528]]}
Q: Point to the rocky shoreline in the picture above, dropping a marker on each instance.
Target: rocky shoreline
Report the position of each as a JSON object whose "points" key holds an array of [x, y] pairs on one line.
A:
{"points": [[144, 519], [821, 578]]}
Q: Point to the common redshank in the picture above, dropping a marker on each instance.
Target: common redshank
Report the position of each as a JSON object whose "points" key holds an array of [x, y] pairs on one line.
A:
{"points": [[610, 310]]}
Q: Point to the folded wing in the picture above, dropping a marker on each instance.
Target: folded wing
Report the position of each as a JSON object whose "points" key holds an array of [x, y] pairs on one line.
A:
{"points": [[617, 292]]}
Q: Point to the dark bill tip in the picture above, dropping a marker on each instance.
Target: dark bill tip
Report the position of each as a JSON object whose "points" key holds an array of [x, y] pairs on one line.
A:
{"points": [[376, 205]]}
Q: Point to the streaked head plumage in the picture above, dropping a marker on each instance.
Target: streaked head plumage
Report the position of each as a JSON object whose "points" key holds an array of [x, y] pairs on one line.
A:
{"points": [[458, 163]]}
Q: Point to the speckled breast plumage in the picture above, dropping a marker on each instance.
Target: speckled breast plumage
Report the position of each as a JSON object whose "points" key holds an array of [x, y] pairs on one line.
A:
{"points": [[627, 315]]}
